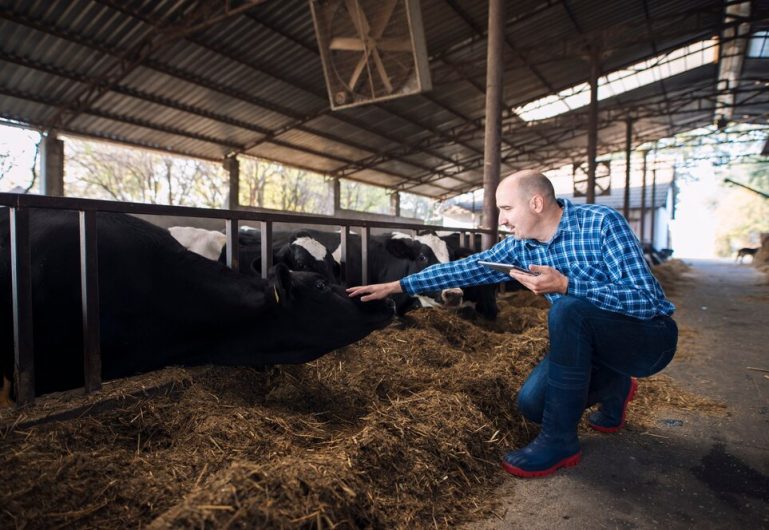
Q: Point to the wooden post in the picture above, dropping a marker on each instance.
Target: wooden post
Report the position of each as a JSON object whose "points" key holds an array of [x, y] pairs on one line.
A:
{"points": [[491, 151]]}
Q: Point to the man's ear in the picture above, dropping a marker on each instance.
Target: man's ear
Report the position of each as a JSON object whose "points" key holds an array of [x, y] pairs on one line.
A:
{"points": [[537, 203], [401, 248]]}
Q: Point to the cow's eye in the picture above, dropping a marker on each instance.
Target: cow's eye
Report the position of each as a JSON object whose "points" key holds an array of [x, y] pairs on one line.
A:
{"points": [[320, 285]]}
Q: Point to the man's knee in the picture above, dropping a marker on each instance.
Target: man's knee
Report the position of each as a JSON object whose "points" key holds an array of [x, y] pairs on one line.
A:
{"points": [[567, 310]]}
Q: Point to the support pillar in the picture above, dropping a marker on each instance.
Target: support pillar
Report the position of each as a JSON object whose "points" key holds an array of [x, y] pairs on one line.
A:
{"points": [[232, 166], [337, 195], [592, 126], [52, 165], [654, 201], [628, 143], [643, 200], [395, 203], [492, 135]]}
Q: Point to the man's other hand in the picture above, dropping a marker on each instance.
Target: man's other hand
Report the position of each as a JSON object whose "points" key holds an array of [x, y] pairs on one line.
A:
{"points": [[376, 291], [549, 280]]}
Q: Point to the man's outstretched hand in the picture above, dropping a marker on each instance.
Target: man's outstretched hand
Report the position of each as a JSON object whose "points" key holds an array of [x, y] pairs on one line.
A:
{"points": [[376, 291], [549, 280]]}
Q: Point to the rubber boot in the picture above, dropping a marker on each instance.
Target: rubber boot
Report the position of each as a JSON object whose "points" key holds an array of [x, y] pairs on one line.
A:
{"points": [[557, 445], [611, 416]]}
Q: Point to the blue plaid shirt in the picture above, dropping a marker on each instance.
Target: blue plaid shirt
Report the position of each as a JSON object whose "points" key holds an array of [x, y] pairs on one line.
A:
{"points": [[593, 246]]}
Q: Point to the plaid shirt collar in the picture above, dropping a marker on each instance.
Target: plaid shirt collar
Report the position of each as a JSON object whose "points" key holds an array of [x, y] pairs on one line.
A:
{"points": [[568, 223]]}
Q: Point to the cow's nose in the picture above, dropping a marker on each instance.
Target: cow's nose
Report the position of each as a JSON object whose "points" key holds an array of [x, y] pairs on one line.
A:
{"points": [[452, 297], [390, 303]]}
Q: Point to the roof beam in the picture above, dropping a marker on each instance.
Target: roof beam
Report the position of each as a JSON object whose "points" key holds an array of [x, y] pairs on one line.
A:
{"points": [[157, 38], [732, 56]]}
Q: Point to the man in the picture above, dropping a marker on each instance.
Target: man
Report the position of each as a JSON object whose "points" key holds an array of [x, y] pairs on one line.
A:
{"points": [[609, 320]]}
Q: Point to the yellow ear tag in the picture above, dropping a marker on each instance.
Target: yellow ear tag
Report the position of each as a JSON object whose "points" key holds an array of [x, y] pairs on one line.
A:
{"points": [[275, 290]]}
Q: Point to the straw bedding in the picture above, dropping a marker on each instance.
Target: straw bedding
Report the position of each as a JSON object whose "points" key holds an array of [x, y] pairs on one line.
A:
{"points": [[403, 429]]}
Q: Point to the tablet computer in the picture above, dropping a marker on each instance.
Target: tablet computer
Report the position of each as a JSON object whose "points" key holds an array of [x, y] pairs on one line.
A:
{"points": [[506, 267]]}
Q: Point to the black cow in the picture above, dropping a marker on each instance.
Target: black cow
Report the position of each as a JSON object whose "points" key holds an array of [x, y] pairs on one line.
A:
{"points": [[162, 304]]}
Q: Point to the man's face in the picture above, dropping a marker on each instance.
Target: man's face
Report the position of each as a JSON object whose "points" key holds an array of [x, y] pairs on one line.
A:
{"points": [[515, 211]]}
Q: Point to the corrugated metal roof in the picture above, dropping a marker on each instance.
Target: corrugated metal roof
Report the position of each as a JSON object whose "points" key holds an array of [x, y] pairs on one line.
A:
{"points": [[253, 83]]}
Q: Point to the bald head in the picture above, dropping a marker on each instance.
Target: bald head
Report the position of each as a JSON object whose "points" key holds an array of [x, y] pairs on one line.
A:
{"points": [[527, 184]]}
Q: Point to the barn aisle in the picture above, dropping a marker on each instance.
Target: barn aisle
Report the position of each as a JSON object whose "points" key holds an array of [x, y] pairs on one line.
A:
{"points": [[692, 469]]}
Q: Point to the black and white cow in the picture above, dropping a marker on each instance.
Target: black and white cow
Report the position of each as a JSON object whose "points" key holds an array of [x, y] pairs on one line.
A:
{"points": [[161, 304], [389, 258], [296, 250]]}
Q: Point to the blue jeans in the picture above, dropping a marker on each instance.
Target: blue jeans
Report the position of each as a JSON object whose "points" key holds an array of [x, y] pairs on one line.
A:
{"points": [[610, 344]]}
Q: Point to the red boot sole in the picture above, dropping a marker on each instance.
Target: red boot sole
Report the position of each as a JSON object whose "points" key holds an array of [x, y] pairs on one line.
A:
{"points": [[628, 399], [570, 461]]}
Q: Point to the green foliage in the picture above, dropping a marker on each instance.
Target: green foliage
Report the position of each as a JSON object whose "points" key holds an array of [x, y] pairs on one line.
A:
{"points": [[742, 215], [364, 197], [266, 184], [105, 171]]}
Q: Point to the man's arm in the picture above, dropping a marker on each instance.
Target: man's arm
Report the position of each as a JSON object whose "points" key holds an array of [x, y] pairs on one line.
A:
{"points": [[632, 289], [458, 273]]}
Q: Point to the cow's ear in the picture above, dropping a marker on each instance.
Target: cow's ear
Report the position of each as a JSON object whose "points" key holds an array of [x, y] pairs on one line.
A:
{"points": [[281, 284], [299, 233], [401, 248]]}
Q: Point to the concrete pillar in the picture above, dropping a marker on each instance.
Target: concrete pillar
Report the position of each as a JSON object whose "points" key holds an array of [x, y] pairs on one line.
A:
{"points": [[337, 195], [491, 151], [52, 165], [395, 203], [231, 165]]}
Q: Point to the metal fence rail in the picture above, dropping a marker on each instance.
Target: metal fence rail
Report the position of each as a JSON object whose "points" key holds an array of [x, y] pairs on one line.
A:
{"points": [[19, 205]]}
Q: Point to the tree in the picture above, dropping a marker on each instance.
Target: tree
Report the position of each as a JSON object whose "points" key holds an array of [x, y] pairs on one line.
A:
{"points": [[106, 171]]}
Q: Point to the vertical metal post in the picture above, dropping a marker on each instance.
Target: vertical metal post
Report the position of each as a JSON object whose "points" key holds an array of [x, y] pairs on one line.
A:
{"points": [[643, 200], [466, 239], [266, 227], [21, 286], [654, 201], [491, 148], [592, 127], [628, 144], [344, 241], [89, 288], [231, 230], [364, 239]]}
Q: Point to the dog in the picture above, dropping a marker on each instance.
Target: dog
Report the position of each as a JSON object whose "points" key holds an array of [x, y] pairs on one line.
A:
{"points": [[745, 252]]}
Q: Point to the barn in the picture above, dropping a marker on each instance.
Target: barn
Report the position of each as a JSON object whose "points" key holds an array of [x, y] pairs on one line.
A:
{"points": [[251, 391]]}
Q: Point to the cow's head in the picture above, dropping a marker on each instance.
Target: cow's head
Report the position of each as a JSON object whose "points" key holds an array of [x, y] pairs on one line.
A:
{"points": [[305, 254], [322, 316]]}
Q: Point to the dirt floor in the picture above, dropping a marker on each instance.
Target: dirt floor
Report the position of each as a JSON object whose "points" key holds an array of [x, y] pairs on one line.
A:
{"points": [[687, 469], [405, 430]]}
